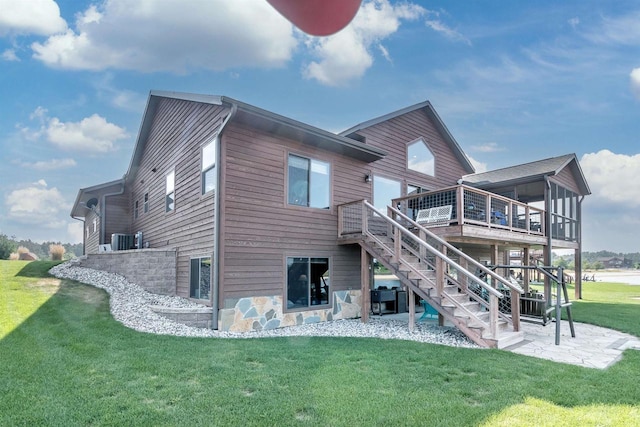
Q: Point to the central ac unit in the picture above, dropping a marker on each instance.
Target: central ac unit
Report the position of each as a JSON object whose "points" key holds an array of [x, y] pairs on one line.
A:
{"points": [[122, 242]]}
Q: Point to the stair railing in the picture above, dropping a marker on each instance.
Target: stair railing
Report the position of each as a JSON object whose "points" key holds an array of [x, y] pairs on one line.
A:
{"points": [[514, 288], [376, 225]]}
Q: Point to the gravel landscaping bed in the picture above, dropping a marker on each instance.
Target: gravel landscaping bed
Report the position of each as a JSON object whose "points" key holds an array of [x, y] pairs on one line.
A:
{"points": [[131, 305]]}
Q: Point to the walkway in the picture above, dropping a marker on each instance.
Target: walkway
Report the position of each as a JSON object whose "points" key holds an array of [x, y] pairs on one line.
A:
{"points": [[593, 346]]}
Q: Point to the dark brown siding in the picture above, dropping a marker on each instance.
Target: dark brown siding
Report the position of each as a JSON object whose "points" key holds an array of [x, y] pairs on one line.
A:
{"points": [[179, 130], [93, 240], [395, 134], [260, 229], [117, 216]]}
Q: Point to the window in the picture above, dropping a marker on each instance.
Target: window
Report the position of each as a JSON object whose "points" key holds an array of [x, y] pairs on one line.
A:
{"points": [[135, 209], [86, 234], [385, 190], [309, 182], [200, 278], [208, 166], [95, 225], [420, 158], [307, 282], [145, 203], [170, 199]]}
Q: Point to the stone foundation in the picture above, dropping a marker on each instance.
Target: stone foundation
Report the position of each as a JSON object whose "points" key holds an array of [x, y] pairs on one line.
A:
{"points": [[262, 313]]}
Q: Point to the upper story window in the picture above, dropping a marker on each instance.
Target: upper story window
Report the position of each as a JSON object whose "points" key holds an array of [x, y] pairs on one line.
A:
{"points": [[135, 209], [145, 202], [170, 198], [309, 182], [420, 158], [208, 166]]}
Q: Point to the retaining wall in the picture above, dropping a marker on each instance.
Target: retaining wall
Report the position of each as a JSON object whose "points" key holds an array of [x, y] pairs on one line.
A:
{"points": [[152, 269]]}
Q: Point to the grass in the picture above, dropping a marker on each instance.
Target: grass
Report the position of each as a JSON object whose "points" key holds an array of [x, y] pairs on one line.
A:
{"points": [[65, 361]]}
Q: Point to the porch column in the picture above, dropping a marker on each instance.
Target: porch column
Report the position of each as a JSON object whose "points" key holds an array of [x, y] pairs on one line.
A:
{"points": [[525, 273], [577, 259]]}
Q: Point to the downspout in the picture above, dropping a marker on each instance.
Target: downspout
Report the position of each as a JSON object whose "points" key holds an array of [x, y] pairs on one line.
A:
{"points": [[103, 213], [215, 302]]}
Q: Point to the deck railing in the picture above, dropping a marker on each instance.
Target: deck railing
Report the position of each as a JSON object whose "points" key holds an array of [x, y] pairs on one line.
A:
{"points": [[478, 207]]}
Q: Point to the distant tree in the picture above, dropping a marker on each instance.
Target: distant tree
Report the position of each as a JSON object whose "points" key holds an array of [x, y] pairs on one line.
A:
{"points": [[598, 265], [7, 246]]}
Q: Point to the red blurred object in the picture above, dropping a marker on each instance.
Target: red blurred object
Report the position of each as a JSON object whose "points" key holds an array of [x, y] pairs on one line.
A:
{"points": [[318, 17]]}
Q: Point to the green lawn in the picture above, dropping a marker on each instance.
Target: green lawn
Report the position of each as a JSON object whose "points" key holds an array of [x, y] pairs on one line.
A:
{"points": [[66, 362]]}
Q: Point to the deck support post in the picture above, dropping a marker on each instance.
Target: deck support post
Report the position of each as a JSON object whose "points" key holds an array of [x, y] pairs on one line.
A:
{"points": [[365, 284], [412, 309]]}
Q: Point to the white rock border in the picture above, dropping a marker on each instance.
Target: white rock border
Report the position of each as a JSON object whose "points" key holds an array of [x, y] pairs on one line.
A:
{"points": [[131, 306]]}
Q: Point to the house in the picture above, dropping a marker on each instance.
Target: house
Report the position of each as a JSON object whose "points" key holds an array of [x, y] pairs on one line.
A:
{"points": [[264, 219], [613, 262]]}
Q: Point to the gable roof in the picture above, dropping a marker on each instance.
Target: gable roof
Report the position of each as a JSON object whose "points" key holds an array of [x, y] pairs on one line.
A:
{"points": [[433, 116], [257, 118], [529, 172]]}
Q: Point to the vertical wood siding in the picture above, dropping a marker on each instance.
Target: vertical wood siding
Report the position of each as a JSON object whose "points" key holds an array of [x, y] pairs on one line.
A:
{"points": [[179, 130]]}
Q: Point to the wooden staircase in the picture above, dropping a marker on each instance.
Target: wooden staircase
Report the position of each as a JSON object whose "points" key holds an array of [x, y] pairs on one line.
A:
{"points": [[460, 296]]}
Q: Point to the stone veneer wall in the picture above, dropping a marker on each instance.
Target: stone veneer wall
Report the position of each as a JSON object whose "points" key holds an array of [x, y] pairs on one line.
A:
{"points": [[152, 269], [262, 313]]}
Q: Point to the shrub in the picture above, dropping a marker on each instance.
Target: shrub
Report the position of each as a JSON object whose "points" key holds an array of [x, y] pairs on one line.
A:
{"points": [[56, 252], [14, 256], [22, 250]]}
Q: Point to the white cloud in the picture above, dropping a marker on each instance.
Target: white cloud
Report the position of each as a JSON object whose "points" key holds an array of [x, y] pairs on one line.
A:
{"points": [[611, 177], [92, 134], [477, 165], [37, 204], [47, 165], [440, 27], [574, 22], [75, 232], [489, 147], [10, 55], [40, 17], [634, 77], [346, 55], [172, 36]]}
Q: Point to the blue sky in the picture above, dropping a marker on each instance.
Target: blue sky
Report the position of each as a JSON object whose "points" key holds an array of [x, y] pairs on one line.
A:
{"points": [[513, 81]]}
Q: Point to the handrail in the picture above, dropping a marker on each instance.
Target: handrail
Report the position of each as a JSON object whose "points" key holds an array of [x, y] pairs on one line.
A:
{"points": [[458, 252], [436, 252]]}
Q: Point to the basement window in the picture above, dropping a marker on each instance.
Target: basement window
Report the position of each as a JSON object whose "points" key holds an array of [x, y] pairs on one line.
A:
{"points": [[307, 282], [200, 278]]}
